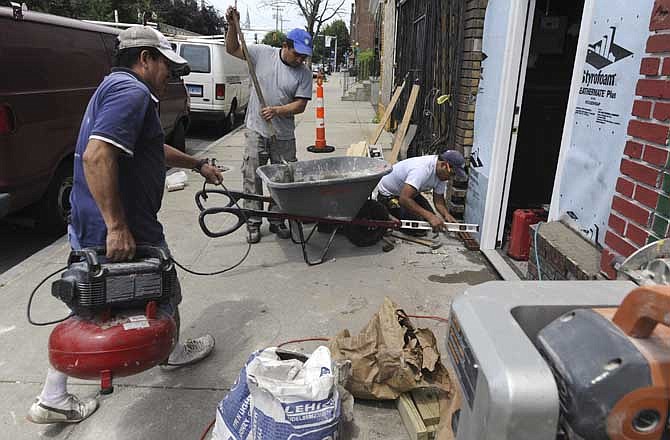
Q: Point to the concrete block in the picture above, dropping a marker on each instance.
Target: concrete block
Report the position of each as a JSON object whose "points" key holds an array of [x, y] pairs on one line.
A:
{"points": [[565, 254]]}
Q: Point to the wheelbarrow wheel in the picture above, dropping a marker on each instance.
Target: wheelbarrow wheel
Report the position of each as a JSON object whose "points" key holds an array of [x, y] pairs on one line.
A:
{"points": [[364, 236]]}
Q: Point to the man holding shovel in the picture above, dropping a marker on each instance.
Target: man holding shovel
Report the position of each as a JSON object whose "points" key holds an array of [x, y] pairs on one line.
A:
{"points": [[286, 86]]}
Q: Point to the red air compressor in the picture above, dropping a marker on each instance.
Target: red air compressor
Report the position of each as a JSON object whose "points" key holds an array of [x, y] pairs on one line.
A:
{"points": [[519, 243], [117, 328]]}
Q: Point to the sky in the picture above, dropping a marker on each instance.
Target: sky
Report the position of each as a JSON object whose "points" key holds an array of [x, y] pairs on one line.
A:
{"points": [[262, 16]]}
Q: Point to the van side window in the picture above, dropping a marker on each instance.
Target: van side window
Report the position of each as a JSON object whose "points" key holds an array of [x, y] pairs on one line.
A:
{"points": [[197, 57]]}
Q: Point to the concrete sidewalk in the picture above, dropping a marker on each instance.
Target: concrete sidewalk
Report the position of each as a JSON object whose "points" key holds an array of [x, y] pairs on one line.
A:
{"points": [[272, 297]]}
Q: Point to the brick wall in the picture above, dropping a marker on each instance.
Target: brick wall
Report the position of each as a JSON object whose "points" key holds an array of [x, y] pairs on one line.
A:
{"points": [[470, 74], [363, 25], [641, 205], [562, 253]]}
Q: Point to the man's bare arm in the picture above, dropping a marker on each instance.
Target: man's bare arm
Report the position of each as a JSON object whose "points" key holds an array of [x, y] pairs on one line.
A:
{"points": [[292, 108], [175, 158], [233, 46], [406, 199], [101, 169], [440, 205]]}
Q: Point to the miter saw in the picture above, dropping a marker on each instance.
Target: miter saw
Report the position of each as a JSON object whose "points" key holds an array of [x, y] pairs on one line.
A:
{"points": [[566, 360]]}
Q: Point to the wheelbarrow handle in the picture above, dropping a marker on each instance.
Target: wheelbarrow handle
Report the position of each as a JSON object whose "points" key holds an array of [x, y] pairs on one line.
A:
{"points": [[202, 196], [241, 220], [232, 196]]}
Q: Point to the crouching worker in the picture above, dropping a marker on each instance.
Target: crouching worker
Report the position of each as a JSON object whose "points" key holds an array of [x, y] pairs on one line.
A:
{"points": [[400, 191], [119, 176]]}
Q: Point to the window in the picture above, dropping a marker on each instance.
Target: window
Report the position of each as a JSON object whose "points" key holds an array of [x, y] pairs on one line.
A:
{"points": [[197, 57]]}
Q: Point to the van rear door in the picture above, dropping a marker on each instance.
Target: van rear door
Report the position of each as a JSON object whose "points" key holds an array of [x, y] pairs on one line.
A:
{"points": [[198, 82]]}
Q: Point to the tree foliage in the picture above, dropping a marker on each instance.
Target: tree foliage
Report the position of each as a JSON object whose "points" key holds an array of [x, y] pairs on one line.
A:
{"points": [[274, 38], [337, 29], [187, 14], [315, 12]]}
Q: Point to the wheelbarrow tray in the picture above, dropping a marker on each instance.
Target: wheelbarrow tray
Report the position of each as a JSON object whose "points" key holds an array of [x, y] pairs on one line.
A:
{"points": [[334, 187]]}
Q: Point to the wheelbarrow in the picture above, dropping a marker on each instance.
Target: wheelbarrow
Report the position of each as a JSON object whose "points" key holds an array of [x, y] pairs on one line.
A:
{"points": [[334, 191]]}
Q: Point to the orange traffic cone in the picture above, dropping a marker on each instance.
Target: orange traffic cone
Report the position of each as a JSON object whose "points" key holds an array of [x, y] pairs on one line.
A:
{"points": [[320, 145]]}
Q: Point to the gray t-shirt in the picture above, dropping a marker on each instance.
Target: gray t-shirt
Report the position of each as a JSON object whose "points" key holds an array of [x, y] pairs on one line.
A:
{"points": [[281, 84]]}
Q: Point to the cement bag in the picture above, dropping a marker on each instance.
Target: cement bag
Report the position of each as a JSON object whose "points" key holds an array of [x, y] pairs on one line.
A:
{"points": [[275, 399]]}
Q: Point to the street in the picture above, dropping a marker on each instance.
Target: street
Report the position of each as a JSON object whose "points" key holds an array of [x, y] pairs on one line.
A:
{"points": [[19, 237]]}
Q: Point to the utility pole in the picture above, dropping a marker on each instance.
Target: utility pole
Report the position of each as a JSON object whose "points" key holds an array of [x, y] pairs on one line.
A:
{"points": [[278, 9], [282, 20]]}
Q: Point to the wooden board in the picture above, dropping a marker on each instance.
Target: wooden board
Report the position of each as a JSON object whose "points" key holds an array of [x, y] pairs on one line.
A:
{"points": [[422, 241], [359, 150], [387, 114], [428, 404], [420, 413], [409, 137], [412, 419], [402, 129]]}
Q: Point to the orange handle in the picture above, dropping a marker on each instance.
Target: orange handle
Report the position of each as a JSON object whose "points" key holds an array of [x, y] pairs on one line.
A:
{"points": [[642, 309]]}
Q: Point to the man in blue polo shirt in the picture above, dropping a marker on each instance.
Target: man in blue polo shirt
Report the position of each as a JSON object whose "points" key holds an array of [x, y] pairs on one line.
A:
{"points": [[119, 176]]}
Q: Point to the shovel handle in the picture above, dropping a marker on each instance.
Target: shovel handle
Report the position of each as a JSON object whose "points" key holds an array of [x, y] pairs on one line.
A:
{"points": [[252, 73]]}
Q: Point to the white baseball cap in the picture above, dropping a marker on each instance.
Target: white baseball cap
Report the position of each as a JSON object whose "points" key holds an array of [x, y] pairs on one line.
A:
{"points": [[144, 36]]}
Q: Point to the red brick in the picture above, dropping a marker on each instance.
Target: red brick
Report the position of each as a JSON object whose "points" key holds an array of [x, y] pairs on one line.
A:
{"points": [[655, 155], [625, 187], [660, 16], [662, 111], [607, 260], [648, 131], [640, 172], [633, 149], [665, 70], [631, 210], [637, 235], [653, 88], [646, 196], [617, 224], [650, 66], [618, 244], [642, 109], [658, 43]]}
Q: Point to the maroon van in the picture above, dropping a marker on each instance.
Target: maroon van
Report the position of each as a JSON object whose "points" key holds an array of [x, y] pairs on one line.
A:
{"points": [[51, 66]]}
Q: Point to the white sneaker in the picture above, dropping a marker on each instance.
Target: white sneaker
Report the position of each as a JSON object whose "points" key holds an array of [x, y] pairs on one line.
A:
{"points": [[191, 351], [74, 410]]}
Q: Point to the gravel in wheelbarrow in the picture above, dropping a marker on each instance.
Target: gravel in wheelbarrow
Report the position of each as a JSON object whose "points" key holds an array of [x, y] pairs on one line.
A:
{"points": [[334, 187]]}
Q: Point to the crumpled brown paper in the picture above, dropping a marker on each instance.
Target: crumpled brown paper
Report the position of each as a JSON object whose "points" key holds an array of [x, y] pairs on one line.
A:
{"points": [[390, 357]]}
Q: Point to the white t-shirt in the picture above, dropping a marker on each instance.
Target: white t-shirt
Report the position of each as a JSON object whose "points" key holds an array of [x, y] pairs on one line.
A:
{"points": [[419, 172], [281, 84]]}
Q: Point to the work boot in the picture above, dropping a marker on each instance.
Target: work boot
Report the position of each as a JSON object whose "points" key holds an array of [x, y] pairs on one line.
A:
{"points": [[191, 351], [254, 234], [72, 410], [280, 229]]}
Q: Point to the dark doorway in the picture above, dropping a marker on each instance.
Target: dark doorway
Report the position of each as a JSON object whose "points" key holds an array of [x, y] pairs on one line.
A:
{"points": [[551, 61]]}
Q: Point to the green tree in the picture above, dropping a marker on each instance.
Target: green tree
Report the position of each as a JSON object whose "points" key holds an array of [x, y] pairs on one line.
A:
{"points": [[315, 12], [274, 38], [335, 29], [192, 15]]}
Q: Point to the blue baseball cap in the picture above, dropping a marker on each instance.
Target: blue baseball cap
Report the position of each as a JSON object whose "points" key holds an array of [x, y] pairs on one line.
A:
{"points": [[456, 160], [302, 41]]}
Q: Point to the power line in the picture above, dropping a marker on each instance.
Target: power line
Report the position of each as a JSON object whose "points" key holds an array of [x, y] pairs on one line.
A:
{"points": [[276, 6]]}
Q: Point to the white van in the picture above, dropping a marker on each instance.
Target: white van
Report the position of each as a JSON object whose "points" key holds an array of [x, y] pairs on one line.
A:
{"points": [[218, 84]]}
